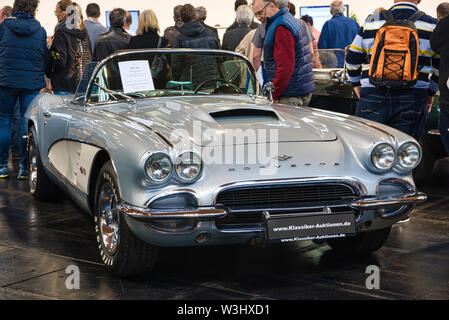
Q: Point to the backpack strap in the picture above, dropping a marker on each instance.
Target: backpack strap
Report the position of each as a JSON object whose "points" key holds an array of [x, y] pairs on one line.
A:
{"points": [[416, 16], [159, 43]]}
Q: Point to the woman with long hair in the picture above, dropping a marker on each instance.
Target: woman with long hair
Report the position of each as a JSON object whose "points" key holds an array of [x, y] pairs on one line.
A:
{"points": [[147, 33], [70, 50]]}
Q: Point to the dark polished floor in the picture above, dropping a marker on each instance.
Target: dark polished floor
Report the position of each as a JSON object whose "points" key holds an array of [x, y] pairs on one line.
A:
{"points": [[38, 241]]}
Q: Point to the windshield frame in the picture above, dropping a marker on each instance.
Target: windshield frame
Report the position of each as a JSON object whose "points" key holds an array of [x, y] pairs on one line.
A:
{"points": [[122, 53]]}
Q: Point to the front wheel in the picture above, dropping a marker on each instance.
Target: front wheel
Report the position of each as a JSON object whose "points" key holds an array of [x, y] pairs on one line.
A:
{"points": [[121, 251], [41, 187], [362, 244]]}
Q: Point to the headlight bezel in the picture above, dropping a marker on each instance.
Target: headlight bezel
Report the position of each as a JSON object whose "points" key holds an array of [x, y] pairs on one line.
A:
{"points": [[181, 179], [151, 157], [375, 165], [399, 165]]}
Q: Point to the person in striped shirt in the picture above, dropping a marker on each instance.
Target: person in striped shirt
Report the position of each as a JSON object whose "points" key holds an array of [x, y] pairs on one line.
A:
{"points": [[405, 109]]}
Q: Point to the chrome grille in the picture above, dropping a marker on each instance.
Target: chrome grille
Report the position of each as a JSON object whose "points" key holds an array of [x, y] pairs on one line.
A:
{"points": [[284, 196]]}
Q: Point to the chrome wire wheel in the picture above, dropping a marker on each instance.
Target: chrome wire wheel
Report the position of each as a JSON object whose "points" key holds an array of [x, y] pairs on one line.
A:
{"points": [[32, 167], [109, 218]]}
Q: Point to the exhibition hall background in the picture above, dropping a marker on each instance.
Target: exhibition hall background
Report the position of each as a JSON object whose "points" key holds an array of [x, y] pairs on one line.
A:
{"points": [[219, 11]]}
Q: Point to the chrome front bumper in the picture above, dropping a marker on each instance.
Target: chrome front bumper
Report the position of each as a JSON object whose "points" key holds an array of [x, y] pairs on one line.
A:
{"points": [[373, 213], [408, 199], [211, 213]]}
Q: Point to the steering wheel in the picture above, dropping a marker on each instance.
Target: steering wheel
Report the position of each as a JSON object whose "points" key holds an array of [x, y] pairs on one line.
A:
{"points": [[202, 84]]}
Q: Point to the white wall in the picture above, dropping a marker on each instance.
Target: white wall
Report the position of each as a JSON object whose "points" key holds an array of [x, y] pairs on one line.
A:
{"points": [[219, 11]]}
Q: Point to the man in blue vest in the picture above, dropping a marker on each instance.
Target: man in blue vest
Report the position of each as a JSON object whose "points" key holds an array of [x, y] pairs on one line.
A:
{"points": [[287, 56]]}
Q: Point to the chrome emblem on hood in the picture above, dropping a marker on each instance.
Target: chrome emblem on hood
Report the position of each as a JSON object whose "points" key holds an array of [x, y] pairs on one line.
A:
{"points": [[283, 158]]}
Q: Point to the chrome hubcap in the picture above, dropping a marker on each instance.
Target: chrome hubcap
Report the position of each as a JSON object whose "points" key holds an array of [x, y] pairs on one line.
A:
{"points": [[109, 218]]}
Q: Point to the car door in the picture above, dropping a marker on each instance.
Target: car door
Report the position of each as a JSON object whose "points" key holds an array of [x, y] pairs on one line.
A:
{"points": [[54, 137]]}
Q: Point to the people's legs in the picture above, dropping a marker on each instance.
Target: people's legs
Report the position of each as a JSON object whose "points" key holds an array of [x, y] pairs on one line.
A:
{"points": [[444, 130], [25, 99], [409, 113], [15, 130], [8, 98], [373, 107]]}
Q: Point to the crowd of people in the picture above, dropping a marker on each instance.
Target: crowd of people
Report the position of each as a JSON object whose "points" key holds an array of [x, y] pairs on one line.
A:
{"points": [[283, 49]]}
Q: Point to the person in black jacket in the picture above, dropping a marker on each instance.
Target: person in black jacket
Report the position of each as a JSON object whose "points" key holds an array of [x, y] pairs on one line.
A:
{"points": [[148, 33], [232, 39], [440, 45], [237, 4], [193, 35], [115, 39], [70, 53], [201, 15]]}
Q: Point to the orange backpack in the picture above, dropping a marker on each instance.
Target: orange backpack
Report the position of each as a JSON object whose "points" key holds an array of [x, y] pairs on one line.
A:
{"points": [[394, 60]]}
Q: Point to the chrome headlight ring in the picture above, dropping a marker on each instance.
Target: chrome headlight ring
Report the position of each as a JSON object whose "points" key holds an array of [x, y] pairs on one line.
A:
{"points": [[188, 167], [159, 167], [409, 156], [383, 157]]}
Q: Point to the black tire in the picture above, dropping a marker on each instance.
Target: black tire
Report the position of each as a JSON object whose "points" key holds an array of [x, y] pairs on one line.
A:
{"points": [[130, 256], [362, 244], [41, 187]]}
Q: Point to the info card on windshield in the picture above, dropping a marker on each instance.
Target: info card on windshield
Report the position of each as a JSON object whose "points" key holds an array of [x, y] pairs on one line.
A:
{"points": [[136, 76]]}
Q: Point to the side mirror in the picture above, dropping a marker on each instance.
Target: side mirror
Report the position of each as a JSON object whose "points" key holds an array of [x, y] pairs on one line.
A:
{"points": [[268, 90]]}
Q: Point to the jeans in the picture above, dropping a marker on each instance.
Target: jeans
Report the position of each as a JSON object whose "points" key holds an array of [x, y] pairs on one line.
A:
{"points": [[444, 130], [405, 111], [8, 99], [15, 130]]}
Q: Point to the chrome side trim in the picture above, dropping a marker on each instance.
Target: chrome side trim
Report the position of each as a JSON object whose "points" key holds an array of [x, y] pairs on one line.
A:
{"points": [[357, 186]]}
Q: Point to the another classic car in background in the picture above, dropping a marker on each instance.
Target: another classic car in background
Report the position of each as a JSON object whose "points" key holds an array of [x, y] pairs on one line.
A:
{"points": [[335, 93], [169, 148]]}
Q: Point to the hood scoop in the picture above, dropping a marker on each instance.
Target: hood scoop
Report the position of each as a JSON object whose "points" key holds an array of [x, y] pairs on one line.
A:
{"points": [[252, 115]]}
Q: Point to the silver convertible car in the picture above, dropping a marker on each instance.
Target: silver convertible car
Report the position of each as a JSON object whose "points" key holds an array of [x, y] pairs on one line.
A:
{"points": [[178, 148]]}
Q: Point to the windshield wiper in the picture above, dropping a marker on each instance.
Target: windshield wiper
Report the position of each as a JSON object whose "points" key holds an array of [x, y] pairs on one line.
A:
{"points": [[113, 93]]}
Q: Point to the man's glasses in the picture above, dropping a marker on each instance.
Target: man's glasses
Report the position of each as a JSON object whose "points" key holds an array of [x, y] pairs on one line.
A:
{"points": [[259, 13]]}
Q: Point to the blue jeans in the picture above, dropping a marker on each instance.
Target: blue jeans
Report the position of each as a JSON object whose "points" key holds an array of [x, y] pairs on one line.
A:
{"points": [[8, 99], [15, 130], [405, 111], [444, 127]]}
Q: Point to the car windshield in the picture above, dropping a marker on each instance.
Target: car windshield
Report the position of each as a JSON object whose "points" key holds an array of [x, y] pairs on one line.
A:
{"points": [[330, 59], [138, 75]]}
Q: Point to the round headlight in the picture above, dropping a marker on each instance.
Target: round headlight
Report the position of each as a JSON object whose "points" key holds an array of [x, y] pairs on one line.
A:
{"points": [[409, 155], [159, 167], [188, 167], [383, 157]]}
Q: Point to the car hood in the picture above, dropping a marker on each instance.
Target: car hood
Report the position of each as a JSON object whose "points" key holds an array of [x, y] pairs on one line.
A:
{"points": [[203, 120]]}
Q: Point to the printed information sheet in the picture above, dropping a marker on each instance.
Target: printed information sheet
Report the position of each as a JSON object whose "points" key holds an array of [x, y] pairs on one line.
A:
{"points": [[136, 76]]}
